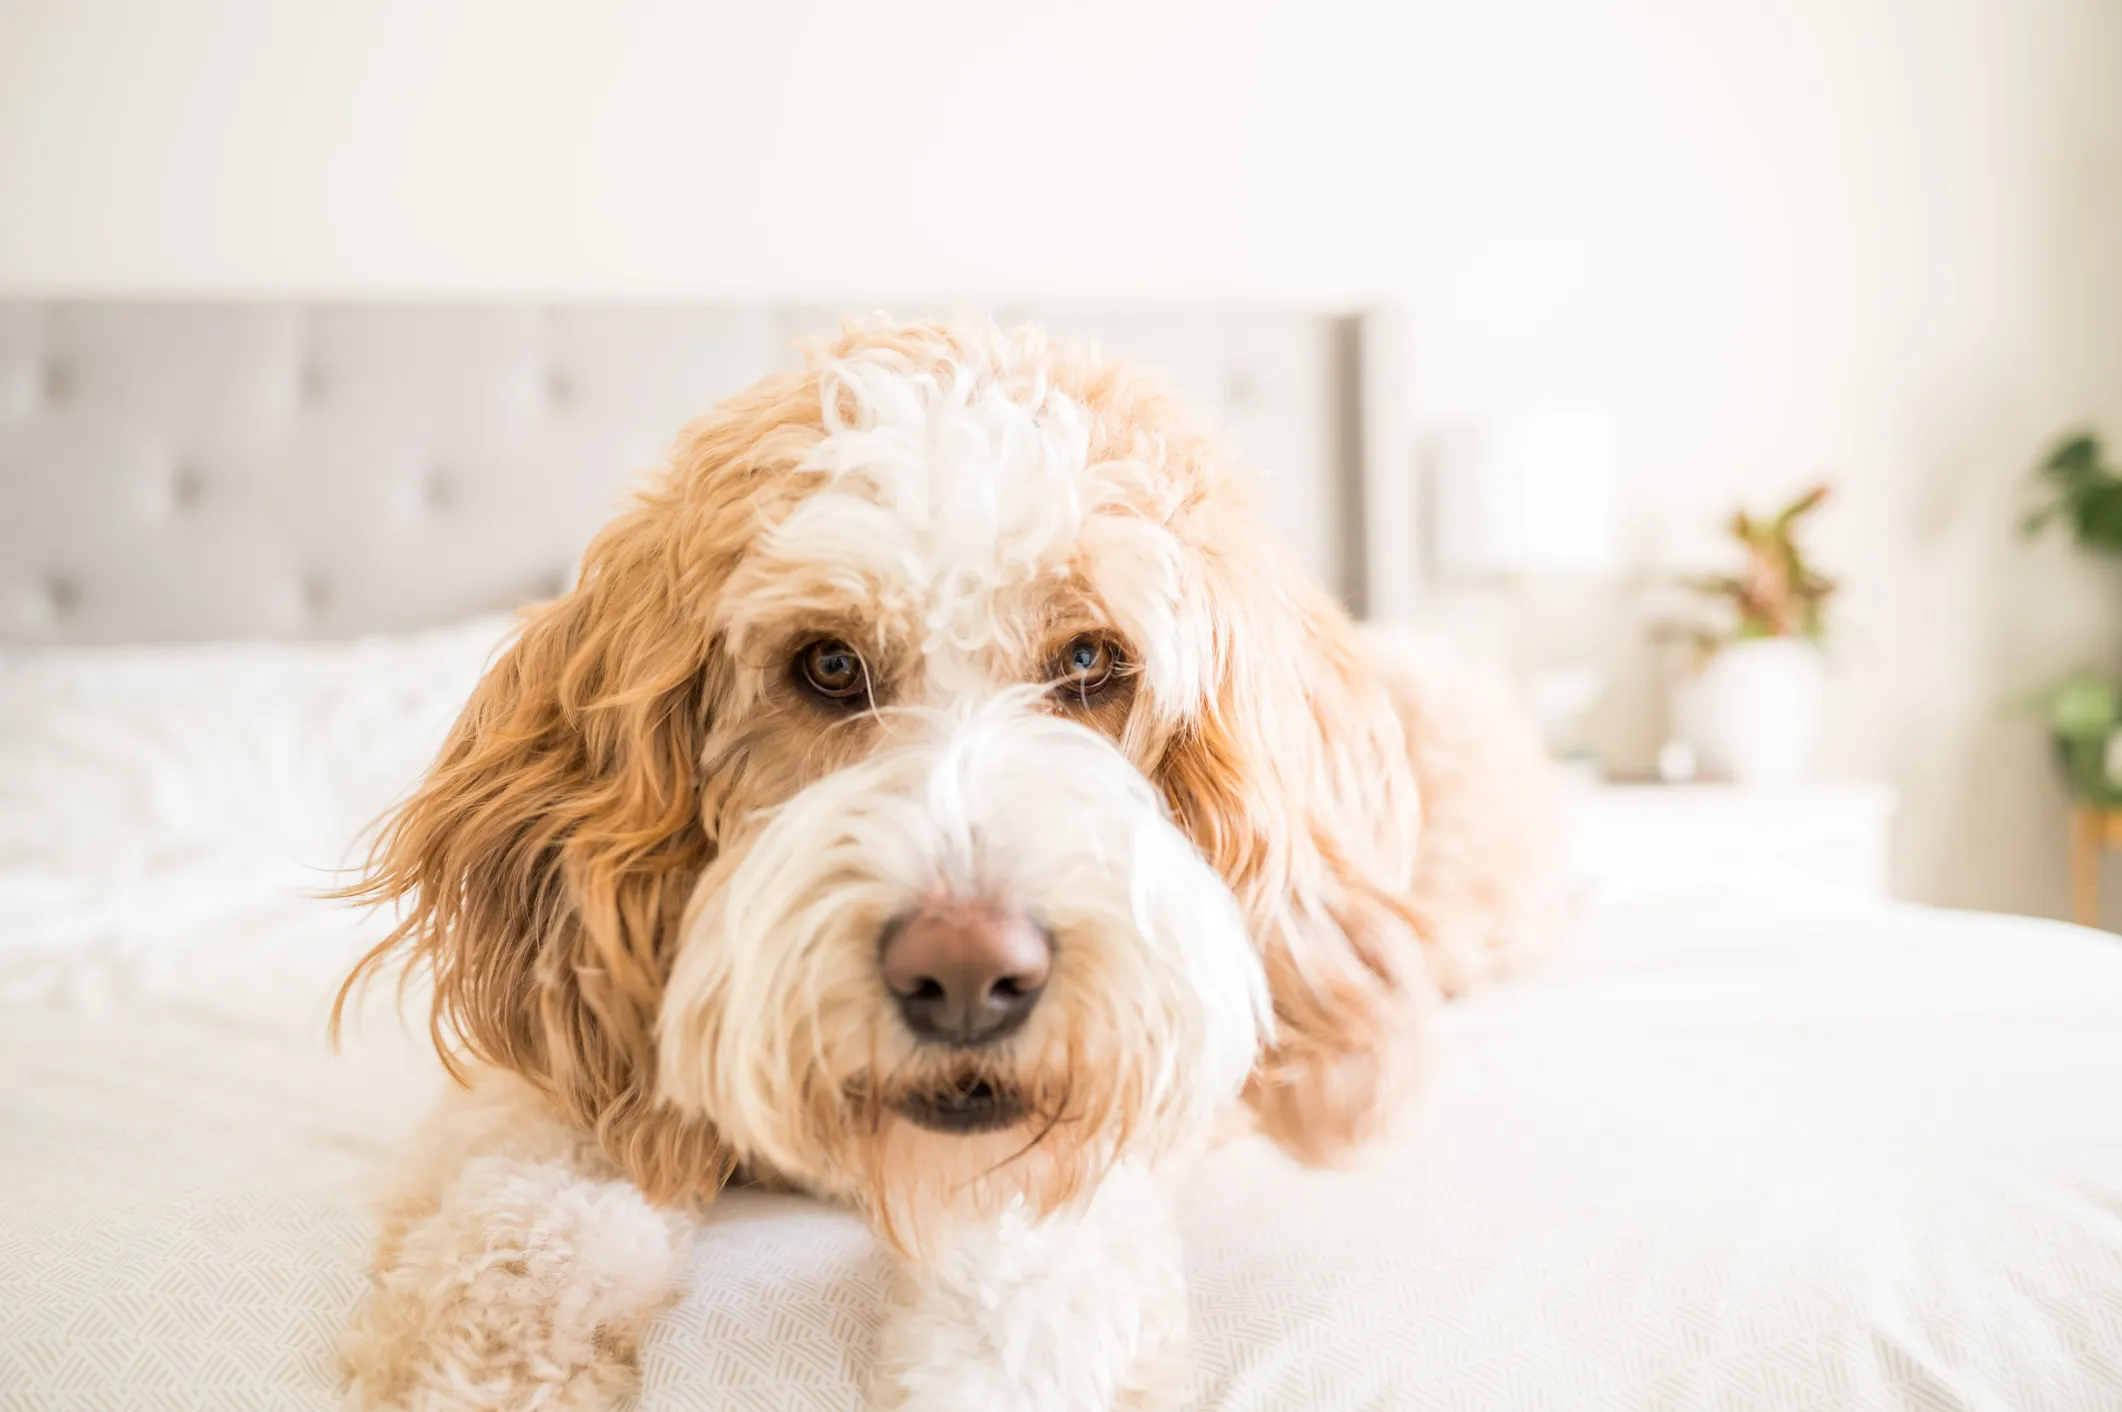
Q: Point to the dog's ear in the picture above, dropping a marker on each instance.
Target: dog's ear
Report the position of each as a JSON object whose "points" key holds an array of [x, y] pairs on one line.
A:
{"points": [[1293, 778], [542, 865]]}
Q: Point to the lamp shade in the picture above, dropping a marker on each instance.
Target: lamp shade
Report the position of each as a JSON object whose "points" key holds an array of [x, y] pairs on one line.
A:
{"points": [[1531, 495]]}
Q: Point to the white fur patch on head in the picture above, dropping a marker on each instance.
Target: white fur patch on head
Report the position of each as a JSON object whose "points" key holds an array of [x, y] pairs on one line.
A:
{"points": [[953, 487], [955, 498]]}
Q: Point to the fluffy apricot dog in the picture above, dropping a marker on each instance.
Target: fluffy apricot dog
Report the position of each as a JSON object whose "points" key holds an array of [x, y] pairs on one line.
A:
{"points": [[939, 794]]}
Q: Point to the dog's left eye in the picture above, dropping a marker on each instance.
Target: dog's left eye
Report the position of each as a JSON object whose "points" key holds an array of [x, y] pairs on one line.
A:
{"points": [[1086, 664], [833, 670]]}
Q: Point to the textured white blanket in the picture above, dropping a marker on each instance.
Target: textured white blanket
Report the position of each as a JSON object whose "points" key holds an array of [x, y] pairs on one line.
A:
{"points": [[1726, 1152], [1724, 1157]]}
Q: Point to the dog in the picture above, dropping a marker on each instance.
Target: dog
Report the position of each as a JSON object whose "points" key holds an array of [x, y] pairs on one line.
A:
{"points": [[939, 793]]}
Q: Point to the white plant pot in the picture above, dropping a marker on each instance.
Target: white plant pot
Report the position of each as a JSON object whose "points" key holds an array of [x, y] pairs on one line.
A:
{"points": [[1753, 712]]}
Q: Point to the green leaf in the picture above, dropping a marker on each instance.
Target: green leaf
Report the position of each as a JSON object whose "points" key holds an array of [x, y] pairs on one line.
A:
{"points": [[2100, 517], [2075, 458], [1804, 505], [2083, 708]]}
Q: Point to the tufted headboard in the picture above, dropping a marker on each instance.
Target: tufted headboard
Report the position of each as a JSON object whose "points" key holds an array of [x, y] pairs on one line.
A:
{"points": [[181, 471]]}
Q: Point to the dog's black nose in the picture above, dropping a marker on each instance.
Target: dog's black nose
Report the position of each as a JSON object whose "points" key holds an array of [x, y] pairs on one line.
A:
{"points": [[965, 972]]}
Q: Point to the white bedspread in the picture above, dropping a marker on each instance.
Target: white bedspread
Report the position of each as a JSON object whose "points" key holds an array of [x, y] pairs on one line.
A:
{"points": [[1721, 1157], [1724, 1153]]}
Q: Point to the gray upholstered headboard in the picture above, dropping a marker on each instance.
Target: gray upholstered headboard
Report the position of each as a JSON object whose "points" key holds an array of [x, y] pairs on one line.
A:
{"points": [[178, 471]]}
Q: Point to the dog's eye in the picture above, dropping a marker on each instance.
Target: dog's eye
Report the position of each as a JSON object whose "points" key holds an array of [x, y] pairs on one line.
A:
{"points": [[831, 669], [1087, 663]]}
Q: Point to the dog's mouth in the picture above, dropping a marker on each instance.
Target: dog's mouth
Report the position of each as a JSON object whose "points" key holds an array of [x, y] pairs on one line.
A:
{"points": [[976, 1106]]}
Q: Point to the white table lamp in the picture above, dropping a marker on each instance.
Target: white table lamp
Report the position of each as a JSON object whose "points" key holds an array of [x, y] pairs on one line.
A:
{"points": [[1526, 499], [1531, 496]]}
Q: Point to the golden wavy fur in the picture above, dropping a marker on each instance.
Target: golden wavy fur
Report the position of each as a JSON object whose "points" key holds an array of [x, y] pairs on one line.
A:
{"points": [[543, 864], [645, 873]]}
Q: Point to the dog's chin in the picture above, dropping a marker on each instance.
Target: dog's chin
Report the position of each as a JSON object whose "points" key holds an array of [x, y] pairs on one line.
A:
{"points": [[980, 1106]]}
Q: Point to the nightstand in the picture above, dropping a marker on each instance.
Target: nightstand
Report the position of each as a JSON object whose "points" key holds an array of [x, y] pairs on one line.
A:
{"points": [[1663, 835]]}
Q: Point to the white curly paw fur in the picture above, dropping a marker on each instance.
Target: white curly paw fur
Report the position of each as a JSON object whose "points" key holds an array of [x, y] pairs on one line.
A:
{"points": [[1082, 1312]]}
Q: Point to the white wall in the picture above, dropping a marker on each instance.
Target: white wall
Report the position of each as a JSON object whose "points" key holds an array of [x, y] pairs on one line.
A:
{"points": [[1874, 239]]}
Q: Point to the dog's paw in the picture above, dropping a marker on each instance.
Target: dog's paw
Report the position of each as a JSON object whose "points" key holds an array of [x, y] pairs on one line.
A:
{"points": [[996, 1380], [529, 1288], [1081, 1312]]}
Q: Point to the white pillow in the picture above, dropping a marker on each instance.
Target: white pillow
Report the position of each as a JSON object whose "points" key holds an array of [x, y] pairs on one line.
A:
{"points": [[172, 812]]}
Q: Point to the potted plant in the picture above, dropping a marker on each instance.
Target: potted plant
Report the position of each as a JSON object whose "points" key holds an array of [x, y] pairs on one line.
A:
{"points": [[1751, 706], [2084, 710]]}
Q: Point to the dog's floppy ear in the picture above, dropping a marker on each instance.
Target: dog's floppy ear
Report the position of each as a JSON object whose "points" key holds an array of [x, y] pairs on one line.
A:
{"points": [[1294, 780], [542, 864]]}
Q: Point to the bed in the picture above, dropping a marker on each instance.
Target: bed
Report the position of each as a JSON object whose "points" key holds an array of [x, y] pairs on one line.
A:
{"points": [[1746, 1142]]}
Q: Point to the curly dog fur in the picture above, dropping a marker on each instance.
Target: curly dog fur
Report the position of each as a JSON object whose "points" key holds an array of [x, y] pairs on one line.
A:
{"points": [[949, 618]]}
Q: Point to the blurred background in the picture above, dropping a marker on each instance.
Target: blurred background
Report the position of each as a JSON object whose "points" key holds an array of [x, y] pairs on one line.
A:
{"points": [[1649, 264]]}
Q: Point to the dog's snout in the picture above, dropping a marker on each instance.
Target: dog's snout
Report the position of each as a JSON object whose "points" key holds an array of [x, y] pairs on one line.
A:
{"points": [[965, 972]]}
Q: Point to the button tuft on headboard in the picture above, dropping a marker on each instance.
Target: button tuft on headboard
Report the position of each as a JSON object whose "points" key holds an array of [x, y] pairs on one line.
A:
{"points": [[187, 487], [61, 596], [313, 595], [311, 385], [438, 491], [559, 388], [56, 383]]}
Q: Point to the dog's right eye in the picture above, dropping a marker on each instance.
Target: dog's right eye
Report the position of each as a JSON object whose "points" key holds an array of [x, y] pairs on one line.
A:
{"points": [[831, 669]]}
